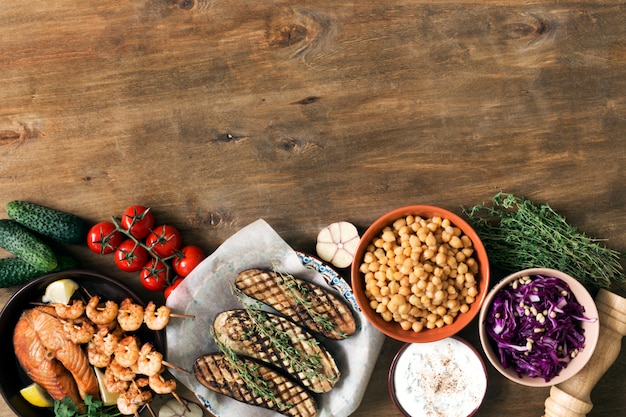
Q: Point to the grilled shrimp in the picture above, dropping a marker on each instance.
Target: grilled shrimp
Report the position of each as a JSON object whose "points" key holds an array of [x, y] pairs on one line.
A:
{"points": [[79, 333], [129, 402], [70, 311], [161, 385], [101, 348], [123, 373], [130, 315], [150, 361], [127, 352], [101, 315], [156, 318], [113, 383]]}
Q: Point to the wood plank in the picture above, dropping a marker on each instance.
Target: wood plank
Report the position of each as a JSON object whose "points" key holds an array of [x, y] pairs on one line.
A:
{"points": [[217, 113]]}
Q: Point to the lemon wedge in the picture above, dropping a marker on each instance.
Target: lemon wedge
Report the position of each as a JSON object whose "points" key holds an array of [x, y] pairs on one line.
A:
{"points": [[60, 291], [37, 396], [107, 397]]}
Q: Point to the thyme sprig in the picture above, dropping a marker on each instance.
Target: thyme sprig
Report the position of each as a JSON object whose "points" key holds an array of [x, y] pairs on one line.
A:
{"points": [[300, 361], [301, 296], [249, 373], [520, 234]]}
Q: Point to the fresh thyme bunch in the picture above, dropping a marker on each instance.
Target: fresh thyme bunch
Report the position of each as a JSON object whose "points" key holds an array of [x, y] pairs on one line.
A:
{"points": [[519, 234]]}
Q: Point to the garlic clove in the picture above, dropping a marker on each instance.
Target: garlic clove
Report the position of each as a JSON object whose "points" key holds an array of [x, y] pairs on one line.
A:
{"points": [[337, 243], [173, 408]]}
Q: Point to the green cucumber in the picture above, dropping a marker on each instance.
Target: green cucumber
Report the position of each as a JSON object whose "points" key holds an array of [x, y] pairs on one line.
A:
{"points": [[24, 244], [15, 271], [58, 225]]}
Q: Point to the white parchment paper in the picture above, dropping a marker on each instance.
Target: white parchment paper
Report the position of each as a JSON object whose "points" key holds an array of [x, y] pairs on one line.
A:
{"points": [[207, 291]]}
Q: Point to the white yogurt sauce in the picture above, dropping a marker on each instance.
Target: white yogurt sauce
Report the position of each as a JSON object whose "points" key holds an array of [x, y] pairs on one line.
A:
{"points": [[439, 379]]}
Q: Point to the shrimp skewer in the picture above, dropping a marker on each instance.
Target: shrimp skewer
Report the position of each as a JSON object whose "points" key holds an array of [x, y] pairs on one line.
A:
{"points": [[161, 385], [130, 315], [101, 316], [70, 311], [79, 333], [157, 318], [134, 397], [101, 347], [127, 352]]}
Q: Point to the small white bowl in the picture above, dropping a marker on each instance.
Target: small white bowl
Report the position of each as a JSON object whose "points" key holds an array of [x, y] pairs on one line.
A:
{"points": [[591, 329], [446, 377]]}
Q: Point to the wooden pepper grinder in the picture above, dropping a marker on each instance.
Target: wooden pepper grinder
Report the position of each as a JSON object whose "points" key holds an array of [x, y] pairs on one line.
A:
{"points": [[572, 397]]}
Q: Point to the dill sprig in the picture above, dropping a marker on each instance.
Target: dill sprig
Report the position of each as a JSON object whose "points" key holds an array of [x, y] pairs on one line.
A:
{"points": [[520, 234], [249, 372], [299, 360]]}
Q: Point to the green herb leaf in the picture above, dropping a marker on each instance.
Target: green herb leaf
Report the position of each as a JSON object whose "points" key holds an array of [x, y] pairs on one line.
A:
{"points": [[93, 408], [520, 234]]}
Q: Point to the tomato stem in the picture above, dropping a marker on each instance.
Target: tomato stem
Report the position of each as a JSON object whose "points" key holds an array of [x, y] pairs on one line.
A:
{"points": [[171, 277]]}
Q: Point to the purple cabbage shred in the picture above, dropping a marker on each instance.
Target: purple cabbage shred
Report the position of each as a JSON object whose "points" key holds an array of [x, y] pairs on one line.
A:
{"points": [[537, 326]]}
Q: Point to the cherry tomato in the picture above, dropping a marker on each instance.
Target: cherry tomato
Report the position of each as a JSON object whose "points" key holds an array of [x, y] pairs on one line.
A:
{"points": [[103, 238], [153, 275], [138, 220], [130, 257], [187, 259], [169, 289], [164, 240]]}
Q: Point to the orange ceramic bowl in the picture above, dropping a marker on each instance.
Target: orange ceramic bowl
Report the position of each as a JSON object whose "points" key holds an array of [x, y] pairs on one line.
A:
{"points": [[591, 329], [393, 329]]}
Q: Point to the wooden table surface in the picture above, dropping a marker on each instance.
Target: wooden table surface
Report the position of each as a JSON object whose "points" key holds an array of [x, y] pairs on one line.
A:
{"points": [[216, 113]]}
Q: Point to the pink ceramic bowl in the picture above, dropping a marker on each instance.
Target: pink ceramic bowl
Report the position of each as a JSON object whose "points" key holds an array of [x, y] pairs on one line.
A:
{"points": [[393, 329], [443, 378], [591, 329]]}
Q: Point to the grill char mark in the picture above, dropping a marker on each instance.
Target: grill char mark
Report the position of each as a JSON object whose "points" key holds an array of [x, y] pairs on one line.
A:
{"points": [[270, 288], [213, 368], [237, 330]]}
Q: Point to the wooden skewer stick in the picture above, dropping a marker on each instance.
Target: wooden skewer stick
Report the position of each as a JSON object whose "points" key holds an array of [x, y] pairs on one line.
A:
{"points": [[178, 368], [180, 401], [150, 410], [183, 316]]}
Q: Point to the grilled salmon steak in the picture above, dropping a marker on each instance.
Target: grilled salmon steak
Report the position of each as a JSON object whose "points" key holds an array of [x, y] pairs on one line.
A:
{"points": [[40, 366], [254, 383], [53, 337], [279, 342], [303, 302]]}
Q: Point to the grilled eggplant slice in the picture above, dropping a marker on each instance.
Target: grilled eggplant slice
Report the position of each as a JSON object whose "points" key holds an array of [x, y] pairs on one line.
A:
{"points": [[279, 342], [254, 383], [305, 303]]}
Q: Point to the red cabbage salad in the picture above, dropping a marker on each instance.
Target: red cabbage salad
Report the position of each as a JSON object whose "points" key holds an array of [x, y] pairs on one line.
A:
{"points": [[536, 325]]}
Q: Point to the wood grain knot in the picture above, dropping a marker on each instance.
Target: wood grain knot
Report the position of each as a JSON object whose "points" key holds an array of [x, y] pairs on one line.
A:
{"points": [[295, 146], [534, 28], [9, 136], [287, 36], [227, 137], [307, 100], [211, 218], [300, 29], [19, 134], [186, 4]]}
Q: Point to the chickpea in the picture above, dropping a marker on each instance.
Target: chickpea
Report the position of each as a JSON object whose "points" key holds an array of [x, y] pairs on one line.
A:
{"points": [[387, 316], [406, 325], [420, 273], [404, 309], [375, 291]]}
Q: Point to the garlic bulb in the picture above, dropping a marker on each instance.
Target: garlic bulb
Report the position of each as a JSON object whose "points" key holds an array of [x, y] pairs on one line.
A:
{"points": [[337, 243], [173, 408]]}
